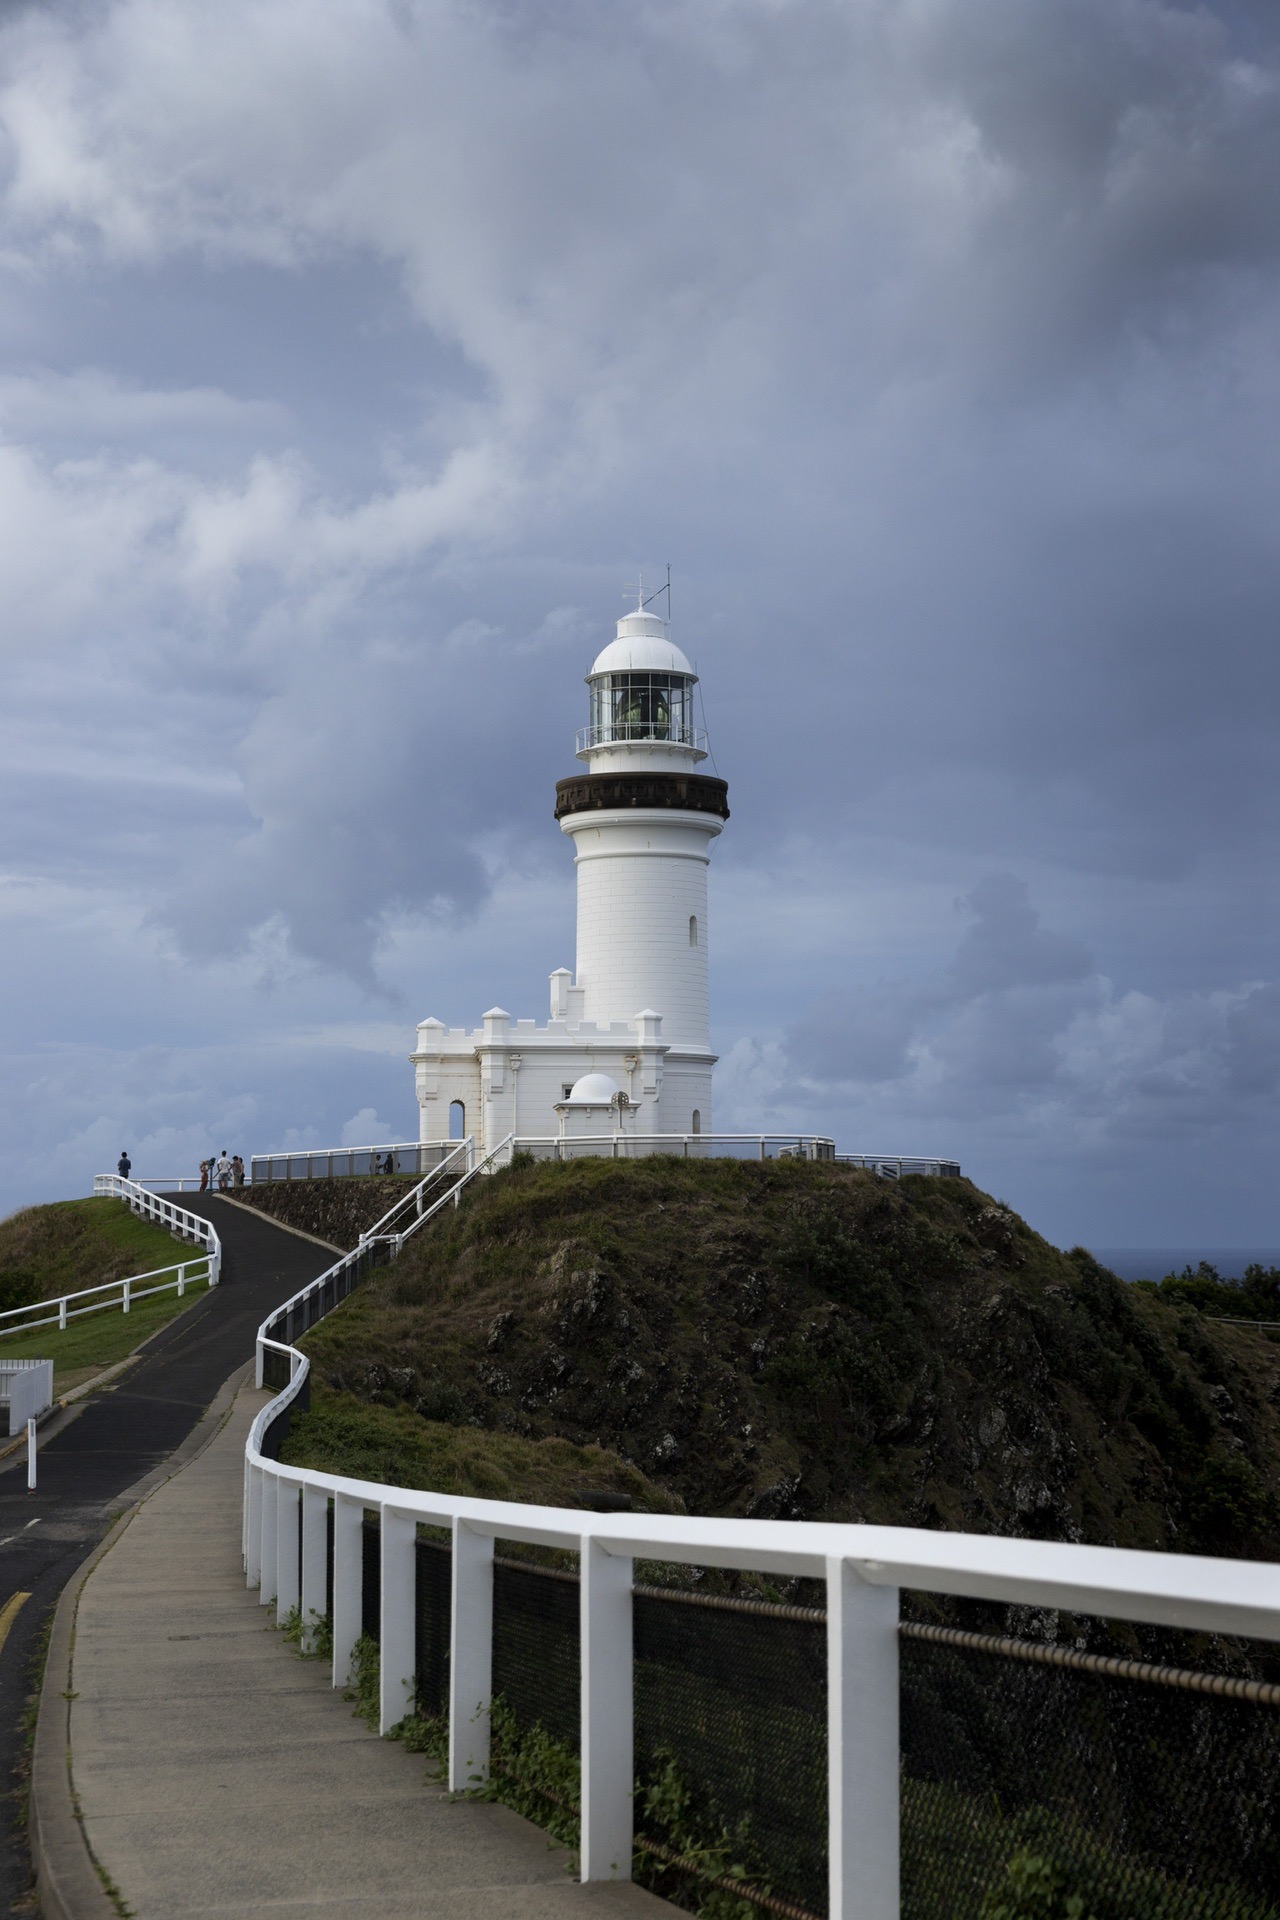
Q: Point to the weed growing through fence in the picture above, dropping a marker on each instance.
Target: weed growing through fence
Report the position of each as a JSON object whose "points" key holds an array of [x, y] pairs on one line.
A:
{"points": [[315, 1642], [535, 1774], [417, 1732], [671, 1817]]}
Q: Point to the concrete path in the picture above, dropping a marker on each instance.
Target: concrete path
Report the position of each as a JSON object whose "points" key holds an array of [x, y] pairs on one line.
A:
{"points": [[104, 1453], [217, 1773]]}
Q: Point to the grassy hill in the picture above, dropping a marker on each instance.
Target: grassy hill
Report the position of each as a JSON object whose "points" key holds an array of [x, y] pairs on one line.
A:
{"points": [[801, 1340], [73, 1244]]}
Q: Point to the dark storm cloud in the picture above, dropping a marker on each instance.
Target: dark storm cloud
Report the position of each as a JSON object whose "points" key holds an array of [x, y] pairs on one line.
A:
{"points": [[354, 358]]}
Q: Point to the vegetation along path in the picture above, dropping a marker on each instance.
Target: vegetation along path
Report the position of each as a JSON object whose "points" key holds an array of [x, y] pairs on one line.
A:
{"points": [[93, 1456]]}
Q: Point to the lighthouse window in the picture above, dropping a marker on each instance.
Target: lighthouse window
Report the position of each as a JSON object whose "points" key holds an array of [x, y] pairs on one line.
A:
{"points": [[457, 1120], [693, 929], [642, 706]]}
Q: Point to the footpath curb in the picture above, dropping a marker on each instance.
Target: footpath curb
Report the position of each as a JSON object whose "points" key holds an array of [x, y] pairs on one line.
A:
{"points": [[68, 1880]]}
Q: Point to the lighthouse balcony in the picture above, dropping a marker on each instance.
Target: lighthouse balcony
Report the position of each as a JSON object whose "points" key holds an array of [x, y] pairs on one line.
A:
{"points": [[610, 733]]}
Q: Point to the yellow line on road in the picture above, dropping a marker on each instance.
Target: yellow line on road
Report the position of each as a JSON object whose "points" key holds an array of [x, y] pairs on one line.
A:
{"points": [[9, 1613]]}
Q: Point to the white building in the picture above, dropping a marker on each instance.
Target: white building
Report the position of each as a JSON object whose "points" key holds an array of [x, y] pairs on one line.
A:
{"points": [[627, 1044]]}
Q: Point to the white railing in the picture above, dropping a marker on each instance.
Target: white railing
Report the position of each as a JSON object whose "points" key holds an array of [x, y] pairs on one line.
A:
{"points": [[285, 1529], [153, 1206], [412, 1207], [174, 1183], [640, 732], [116, 1293]]}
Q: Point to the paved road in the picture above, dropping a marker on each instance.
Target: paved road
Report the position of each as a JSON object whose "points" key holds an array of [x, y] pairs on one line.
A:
{"points": [[115, 1438]]}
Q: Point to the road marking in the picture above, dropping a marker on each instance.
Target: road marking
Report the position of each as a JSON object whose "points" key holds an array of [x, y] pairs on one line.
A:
{"points": [[9, 1613], [13, 1536]]}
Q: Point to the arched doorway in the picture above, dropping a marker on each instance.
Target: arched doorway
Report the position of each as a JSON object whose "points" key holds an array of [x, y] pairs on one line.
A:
{"points": [[457, 1120]]}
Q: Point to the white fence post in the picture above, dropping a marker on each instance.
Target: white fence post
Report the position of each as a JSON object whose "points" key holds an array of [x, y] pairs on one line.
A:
{"points": [[348, 1585], [125, 1298], [253, 1530], [862, 1735], [267, 1549], [608, 1766], [62, 1315], [397, 1649], [287, 1545], [470, 1657], [314, 1603]]}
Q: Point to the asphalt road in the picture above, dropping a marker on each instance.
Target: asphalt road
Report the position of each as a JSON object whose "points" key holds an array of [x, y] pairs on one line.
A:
{"points": [[115, 1437]]}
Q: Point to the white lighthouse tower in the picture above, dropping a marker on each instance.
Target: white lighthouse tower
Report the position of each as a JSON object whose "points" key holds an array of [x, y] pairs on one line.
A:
{"points": [[627, 1045]]}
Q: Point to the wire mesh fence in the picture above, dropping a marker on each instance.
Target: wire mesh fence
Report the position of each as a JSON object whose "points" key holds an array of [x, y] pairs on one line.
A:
{"points": [[1030, 1773]]}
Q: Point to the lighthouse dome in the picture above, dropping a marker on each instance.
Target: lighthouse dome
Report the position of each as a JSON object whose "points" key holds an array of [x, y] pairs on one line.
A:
{"points": [[642, 646], [593, 1090]]}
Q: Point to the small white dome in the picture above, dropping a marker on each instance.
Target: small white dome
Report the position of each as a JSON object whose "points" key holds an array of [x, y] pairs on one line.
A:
{"points": [[594, 1090], [641, 646]]}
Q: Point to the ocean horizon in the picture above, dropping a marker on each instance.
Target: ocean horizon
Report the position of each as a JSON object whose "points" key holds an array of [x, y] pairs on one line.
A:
{"points": [[1153, 1263]]}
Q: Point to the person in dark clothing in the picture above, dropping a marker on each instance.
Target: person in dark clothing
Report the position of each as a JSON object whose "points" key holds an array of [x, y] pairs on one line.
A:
{"points": [[123, 1165]]}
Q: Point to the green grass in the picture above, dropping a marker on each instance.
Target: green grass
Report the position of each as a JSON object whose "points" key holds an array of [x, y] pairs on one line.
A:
{"points": [[99, 1340], [341, 1434], [76, 1244]]}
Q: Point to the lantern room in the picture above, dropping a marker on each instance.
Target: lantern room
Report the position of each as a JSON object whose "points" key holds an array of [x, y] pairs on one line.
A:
{"points": [[641, 699]]}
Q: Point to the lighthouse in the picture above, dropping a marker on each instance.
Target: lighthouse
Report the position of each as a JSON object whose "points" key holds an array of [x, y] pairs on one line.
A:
{"points": [[627, 1045]]}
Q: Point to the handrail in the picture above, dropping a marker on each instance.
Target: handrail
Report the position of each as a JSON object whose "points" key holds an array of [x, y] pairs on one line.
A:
{"points": [[486, 1164], [285, 1539], [153, 1206], [128, 1289], [414, 1198]]}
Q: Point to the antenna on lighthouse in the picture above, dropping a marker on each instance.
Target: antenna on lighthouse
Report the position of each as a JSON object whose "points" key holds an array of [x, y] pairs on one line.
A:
{"points": [[661, 590]]}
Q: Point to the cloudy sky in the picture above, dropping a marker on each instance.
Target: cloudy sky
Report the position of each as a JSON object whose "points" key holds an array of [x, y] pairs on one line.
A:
{"points": [[353, 355]]}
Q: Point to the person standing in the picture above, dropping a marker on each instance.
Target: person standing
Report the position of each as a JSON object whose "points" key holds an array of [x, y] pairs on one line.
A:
{"points": [[237, 1170], [205, 1169], [224, 1171], [124, 1164]]}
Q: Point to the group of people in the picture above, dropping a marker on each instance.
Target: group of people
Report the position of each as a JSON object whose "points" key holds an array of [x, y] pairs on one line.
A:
{"points": [[225, 1172]]}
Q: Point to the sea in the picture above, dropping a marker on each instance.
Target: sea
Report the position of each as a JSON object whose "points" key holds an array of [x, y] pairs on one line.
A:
{"points": [[1153, 1263]]}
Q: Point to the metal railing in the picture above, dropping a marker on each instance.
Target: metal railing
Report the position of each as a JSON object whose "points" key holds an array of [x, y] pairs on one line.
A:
{"points": [[59, 1310], [341, 1163], [892, 1166], [687, 1146], [153, 1206], [291, 1512], [424, 1156], [645, 732], [412, 1208]]}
